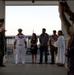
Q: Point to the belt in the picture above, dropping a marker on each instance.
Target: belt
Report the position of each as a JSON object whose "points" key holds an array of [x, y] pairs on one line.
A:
{"points": [[20, 45]]}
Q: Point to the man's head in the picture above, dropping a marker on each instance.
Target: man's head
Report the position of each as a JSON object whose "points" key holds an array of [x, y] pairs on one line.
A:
{"points": [[60, 32], [43, 30], [54, 32], [19, 30]]}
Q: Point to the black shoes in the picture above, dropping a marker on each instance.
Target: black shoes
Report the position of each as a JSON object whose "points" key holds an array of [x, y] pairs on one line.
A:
{"points": [[43, 63], [2, 66], [60, 65], [52, 63], [46, 63], [40, 62]]}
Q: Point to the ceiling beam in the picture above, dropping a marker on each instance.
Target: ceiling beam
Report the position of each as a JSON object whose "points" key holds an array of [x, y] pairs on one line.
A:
{"points": [[29, 3], [30, 0]]}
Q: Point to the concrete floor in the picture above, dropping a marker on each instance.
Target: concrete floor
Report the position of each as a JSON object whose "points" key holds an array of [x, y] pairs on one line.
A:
{"points": [[31, 69]]}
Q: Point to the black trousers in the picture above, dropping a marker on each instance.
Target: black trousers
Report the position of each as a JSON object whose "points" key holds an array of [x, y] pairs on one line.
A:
{"points": [[1, 60], [1, 55], [53, 51], [43, 49]]}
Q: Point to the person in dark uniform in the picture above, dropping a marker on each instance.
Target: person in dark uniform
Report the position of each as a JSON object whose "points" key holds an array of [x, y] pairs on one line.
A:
{"points": [[33, 42], [2, 42], [44, 37]]}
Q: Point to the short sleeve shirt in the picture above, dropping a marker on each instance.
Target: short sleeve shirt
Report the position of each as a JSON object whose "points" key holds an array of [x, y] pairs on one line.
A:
{"points": [[20, 39], [44, 37]]}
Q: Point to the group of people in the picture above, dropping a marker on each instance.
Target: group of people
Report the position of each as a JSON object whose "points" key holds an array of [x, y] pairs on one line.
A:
{"points": [[20, 45], [55, 42], [57, 48]]}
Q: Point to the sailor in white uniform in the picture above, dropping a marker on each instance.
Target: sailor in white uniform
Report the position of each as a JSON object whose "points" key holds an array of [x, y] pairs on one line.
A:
{"points": [[20, 47]]}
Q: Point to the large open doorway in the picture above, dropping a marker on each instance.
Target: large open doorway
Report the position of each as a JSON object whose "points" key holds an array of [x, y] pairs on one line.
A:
{"points": [[31, 18]]}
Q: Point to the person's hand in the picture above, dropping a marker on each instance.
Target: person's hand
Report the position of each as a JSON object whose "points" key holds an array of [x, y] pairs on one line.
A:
{"points": [[60, 8]]}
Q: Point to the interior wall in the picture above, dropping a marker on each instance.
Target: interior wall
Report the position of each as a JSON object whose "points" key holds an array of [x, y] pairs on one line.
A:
{"points": [[2, 9]]}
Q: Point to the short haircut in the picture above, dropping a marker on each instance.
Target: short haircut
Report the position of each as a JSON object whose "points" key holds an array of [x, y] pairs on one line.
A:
{"points": [[44, 29], [20, 30], [54, 31]]}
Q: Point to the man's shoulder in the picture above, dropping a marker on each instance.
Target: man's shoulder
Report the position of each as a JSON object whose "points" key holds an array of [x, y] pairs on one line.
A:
{"points": [[47, 34], [41, 34]]}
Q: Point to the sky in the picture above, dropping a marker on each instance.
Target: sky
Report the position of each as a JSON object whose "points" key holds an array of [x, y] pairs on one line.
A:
{"points": [[31, 19]]}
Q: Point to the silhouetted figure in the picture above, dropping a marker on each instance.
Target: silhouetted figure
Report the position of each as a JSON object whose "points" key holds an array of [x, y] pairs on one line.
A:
{"points": [[44, 37], [33, 42], [2, 42], [53, 49]]}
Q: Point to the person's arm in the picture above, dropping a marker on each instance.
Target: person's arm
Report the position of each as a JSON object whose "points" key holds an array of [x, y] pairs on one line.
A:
{"points": [[49, 41], [25, 42], [15, 41], [40, 40], [15, 44], [36, 40]]}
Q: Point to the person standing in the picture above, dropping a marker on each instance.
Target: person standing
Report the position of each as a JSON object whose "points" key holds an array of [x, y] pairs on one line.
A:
{"points": [[2, 42], [61, 49], [19, 47], [33, 42], [53, 49], [43, 39]]}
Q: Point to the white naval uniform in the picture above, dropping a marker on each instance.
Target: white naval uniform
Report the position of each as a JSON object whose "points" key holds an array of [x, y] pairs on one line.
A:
{"points": [[61, 49], [20, 49]]}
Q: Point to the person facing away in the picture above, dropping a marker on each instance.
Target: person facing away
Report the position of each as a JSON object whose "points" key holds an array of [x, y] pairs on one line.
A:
{"points": [[33, 42], [61, 49], [53, 49], [43, 39], [19, 47], [2, 42]]}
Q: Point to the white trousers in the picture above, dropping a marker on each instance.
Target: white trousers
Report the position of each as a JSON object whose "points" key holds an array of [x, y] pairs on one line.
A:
{"points": [[19, 54]]}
